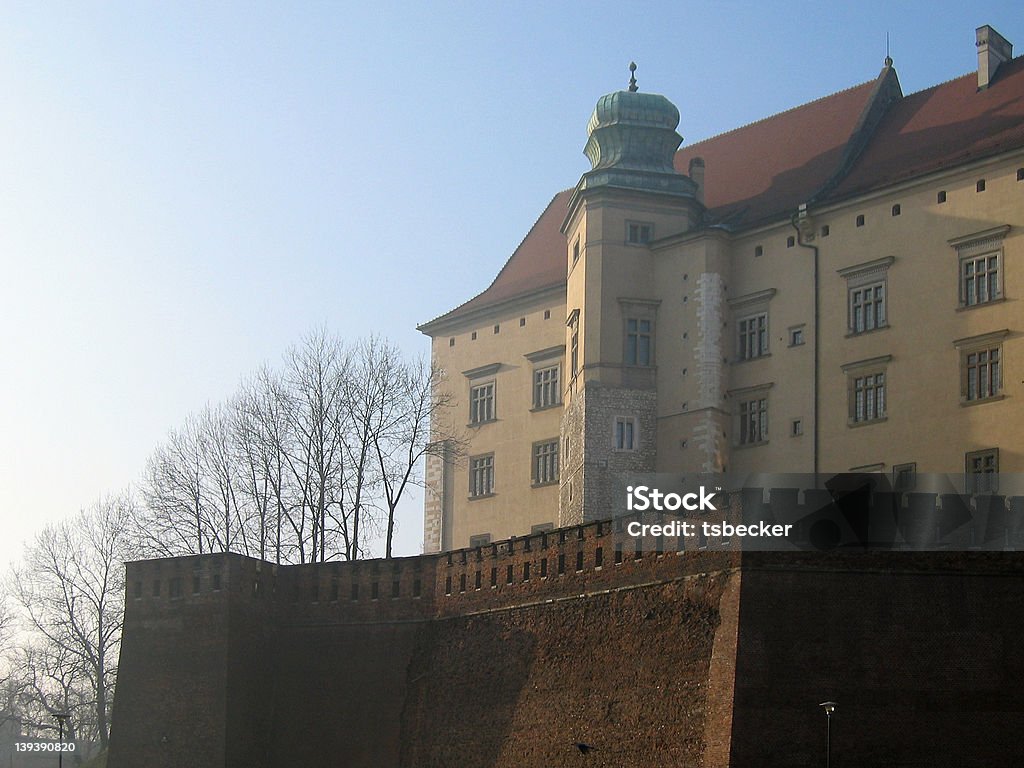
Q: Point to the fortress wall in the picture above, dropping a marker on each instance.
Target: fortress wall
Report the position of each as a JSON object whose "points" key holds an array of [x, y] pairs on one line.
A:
{"points": [[624, 671], [919, 650]]}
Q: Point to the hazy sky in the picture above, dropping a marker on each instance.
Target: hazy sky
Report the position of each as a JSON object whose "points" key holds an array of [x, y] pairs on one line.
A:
{"points": [[186, 189]]}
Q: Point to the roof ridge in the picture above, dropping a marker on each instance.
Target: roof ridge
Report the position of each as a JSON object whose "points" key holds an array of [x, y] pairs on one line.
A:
{"points": [[775, 115]]}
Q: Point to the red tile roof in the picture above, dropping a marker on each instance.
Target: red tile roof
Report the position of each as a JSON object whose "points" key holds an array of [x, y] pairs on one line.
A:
{"points": [[538, 262], [764, 170], [771, 166], [943, 126]]}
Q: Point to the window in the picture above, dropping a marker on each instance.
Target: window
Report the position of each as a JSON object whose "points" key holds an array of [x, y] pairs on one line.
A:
{"points": [[574, 342], [638, 233], [983, 373], [790, 241], [866, 389], [896, 210], [174, 587], [481, 403], [868, 397], [481, 476], [545, 462], [797, 428], [980, 262], [753, 336], [979, 279], [981, 366], [867, 307], [480, 540], [860, 220], [1020, 174], [982, 471], [980, 186], [576, 251], [866, 289], [624, 437], [638, 342], [940, 197], [545, 387], [904, 477], [796, 336], [758, 250], [753, 426], [825, 230]]}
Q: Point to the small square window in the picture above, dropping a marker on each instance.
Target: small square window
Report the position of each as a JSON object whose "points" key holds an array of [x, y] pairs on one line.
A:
{"points": [[797, 428], [825, 230], [451, 342], [758, 250], [940, 197], [896, 210], [638, 233], [497, 329], [522, 322], [980, 186], [860, 220], [472, 336], [547, 314], [1020, 174], [790, 241], [796, 337]]}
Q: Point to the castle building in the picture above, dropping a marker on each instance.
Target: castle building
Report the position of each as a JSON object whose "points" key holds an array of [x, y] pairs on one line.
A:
{"points": [[833, 288]]}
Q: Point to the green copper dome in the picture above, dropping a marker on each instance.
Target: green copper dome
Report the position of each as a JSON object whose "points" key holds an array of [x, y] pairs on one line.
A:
{"points": [[633, 130]]}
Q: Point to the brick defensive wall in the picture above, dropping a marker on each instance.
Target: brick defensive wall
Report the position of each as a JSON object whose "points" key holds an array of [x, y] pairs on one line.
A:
{"points": [[652, 652]]}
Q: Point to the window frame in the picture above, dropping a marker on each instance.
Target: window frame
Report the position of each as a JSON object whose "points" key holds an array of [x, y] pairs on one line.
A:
{"points": [[752, 344], [644, 232], [986, 245], [990, 371], [971, 476], [545, 468], [481, 476], [547, 393], [488, 399], [636, 335], [752, 423], [629, 427], [867, 276], [861, 412]]}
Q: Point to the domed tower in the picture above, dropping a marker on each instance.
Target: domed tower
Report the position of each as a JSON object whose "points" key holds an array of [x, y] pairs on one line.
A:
{"points": [[630, 199]]}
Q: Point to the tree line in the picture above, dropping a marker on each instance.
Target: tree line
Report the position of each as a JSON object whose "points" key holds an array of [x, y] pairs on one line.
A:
{"points": [[307, 462]]}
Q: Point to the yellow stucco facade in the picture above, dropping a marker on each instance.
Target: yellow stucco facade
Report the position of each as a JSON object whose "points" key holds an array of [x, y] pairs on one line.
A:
{"points": [[858, 314]]}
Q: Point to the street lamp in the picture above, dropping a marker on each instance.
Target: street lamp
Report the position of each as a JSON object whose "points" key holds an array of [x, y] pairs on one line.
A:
{"points": [[830, 708], [61, 717]]}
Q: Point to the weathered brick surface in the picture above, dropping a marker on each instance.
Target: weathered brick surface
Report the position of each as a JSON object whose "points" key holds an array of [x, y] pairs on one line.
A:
{"points": [[699, 658]]}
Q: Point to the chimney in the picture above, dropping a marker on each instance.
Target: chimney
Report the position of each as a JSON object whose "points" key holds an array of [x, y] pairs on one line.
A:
{"points": [[993, 50], [696, 175]]}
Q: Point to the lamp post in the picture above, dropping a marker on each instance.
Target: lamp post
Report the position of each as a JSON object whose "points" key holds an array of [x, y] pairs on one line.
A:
{"points": [[60, 717], [829, 707]]}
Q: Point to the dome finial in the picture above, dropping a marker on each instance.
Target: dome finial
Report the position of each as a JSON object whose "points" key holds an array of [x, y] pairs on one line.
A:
{"points": [[888, 58], [632, 79]]}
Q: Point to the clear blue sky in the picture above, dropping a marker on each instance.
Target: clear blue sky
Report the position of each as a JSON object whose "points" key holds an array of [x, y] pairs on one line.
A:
{"points": [[188, 188]]}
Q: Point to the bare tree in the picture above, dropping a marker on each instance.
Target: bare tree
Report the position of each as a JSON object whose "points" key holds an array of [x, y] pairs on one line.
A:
{"points": [[70, 587], [410, 400]]}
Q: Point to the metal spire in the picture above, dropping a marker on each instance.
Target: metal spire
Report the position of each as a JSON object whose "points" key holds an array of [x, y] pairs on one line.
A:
{"points": [[632, 79]]}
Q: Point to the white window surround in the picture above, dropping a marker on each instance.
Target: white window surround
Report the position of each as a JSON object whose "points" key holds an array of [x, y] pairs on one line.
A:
{"points": [[867, 295], [985, 247]]}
